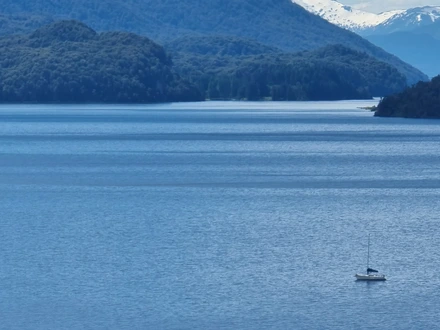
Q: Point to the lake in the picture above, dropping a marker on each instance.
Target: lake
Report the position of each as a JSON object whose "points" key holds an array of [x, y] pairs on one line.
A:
{"points": [[217, 215]]}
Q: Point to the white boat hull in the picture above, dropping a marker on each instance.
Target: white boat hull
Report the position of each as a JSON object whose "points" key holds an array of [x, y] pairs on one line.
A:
{"points": [[370, 277]]}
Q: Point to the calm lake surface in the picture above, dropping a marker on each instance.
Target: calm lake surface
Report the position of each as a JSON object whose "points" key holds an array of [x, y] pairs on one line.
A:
{"points": [[217, 215]]}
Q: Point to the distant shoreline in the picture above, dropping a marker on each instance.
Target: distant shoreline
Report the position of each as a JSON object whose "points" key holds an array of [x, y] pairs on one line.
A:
{"points": [[371, 108]]}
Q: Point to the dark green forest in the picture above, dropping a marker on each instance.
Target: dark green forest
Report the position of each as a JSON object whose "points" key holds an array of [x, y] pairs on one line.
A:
{"points": [[69, 62], [419, 101], [331, 73], [219, 46], [276, 23], [22, 24]]}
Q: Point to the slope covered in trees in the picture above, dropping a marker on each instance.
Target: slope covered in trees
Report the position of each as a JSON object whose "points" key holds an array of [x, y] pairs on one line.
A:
{"points": [[278, 23], [21, 24], [419, 101], [219, 46], [380, 78], [330, 73], [69, 62]]}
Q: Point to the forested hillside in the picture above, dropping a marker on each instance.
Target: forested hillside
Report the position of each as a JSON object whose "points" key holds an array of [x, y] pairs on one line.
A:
{"points": [[21, 24], [69, 62], [219, 46], [330, 73], [419, 101], [277, 23]]}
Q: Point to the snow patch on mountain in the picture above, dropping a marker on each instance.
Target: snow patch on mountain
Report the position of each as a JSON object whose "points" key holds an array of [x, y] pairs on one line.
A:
{"points": [[345, 16], [416, 16], [366, 23]]}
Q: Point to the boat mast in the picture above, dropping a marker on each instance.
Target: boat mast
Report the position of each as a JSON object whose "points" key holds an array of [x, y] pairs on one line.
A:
{"points": [[368, 253]]}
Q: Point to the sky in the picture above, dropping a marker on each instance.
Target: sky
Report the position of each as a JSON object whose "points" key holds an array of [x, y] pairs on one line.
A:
{"points": [[377, 6]]}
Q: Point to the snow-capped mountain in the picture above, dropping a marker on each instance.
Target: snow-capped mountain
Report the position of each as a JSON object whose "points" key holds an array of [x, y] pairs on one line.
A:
{"points": [[366, 23], [412, 34], [409, 19], [345, 16]]}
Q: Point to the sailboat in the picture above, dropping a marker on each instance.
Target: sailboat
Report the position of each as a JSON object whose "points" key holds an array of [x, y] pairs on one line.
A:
{"points": [[372, 274]]}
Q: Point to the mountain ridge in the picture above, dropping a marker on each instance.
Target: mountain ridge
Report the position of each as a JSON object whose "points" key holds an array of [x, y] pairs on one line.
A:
{"points": [[366, 23], [345, 16], [407, 20], [276, 23]]}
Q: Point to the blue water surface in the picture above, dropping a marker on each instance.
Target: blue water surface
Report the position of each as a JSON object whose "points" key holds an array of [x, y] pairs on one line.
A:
{"points": [[217, 215]]}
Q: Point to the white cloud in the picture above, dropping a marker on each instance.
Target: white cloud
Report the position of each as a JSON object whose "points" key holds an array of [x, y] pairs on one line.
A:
{"points": [[377, 6]]}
